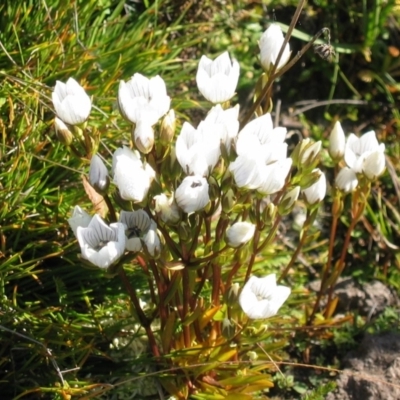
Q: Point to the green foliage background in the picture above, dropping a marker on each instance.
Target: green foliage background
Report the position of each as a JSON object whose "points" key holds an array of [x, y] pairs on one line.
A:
{"points": [[46, 297]]}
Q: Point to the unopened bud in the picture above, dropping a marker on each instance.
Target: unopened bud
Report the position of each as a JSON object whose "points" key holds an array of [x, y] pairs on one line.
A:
{"points": [[167, 129], [144, 137], [316, 192], [240, 233], [309, 152], [337, 142], [286, 205], [64, 135], [98, 175]]}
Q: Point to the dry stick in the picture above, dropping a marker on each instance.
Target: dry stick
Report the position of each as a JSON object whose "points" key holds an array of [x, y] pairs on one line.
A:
{"points": [[46, 349], [144, 321], [273, 76]]}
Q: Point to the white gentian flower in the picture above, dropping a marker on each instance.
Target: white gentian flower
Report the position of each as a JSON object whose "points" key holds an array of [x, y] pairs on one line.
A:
{"points": [[270, 44], [262, 162], [261, 133], [130, 175], [143, 99], [240, 233], [198, 150], [262, 297], [137, 224], [79, 218], [217, 80], [71, 102], [337, 142], [346, 180], [317, 191], [358, 149], [192, 194], [374, 165], [101, 244], [152, 241], [98, 174], [228, 122], [246, 170], [274, 176], [166, 208]]}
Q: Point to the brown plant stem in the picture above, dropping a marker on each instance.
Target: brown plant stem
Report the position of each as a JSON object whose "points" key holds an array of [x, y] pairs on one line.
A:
{"points": [[327, 268], [144, 321], [113, 216]]}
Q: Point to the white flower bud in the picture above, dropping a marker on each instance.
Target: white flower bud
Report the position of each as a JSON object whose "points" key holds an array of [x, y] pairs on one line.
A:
{"points": [[152, 241], [71, 102], [192, 194], [144, 137], [346, 180], [98, 175], [309, 151], [337, 142], [64, 135], [316, 192], [166, 208], [270, 44], [217, 80], [240, 233]]}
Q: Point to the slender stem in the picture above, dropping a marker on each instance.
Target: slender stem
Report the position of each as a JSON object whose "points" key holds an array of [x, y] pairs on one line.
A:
{"points": [[144, 321], [293, 23], [279, 73], [185, 305], [327, 268], [295, 254], [256, 239], [113, 216]]}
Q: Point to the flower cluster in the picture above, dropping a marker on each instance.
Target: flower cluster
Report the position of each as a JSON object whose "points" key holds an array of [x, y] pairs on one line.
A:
{"points": [[195, 207]]}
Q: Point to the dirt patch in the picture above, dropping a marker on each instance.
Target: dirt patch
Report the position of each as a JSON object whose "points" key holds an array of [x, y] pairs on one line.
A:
{"points": [[372, 372], [368, 300]]}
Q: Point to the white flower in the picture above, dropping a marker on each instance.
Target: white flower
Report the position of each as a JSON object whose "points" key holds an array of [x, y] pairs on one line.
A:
{"points": [[143, 100], [130, 175], [71, 102], [358, 149], [346, 180], [274, 176], [246, 171], [152, 241], [198, 150], [217, 80], [260, 133], [227, 122], [262, 297], [240, 233], [98, 174], [261, 163], [317, 191], [337, 142], [374, 164], [270, 44], [192, 194], [79, 218], [101, 244], [166, 208], [137, 224]]}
